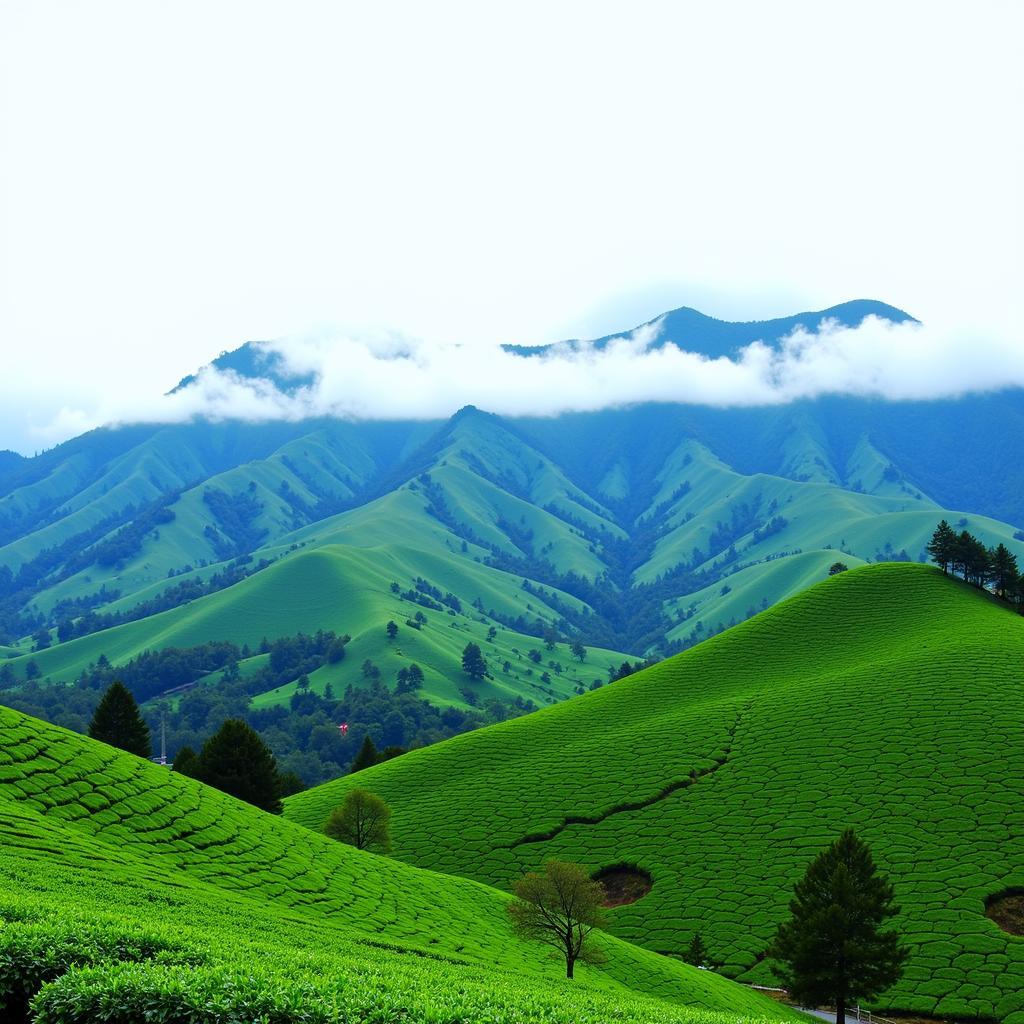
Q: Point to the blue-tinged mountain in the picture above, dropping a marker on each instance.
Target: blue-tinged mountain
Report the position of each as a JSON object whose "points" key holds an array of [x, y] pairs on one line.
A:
{"points": [[638, 531], [693, 331]]}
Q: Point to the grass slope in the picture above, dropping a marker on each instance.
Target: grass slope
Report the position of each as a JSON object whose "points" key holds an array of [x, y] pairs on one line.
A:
{"points": [[98, 844], [887, 698], [623, 509], [349, 590]]}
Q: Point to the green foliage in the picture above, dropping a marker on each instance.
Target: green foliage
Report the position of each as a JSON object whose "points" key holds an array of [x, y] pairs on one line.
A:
{"points": [[833, 951], [882, 699], [362, 821], [236, 761], [129, 892], [117, 721], [303, 733], [561, 907], [696, 952], [473, 662], [366, 758], [967, 556]]}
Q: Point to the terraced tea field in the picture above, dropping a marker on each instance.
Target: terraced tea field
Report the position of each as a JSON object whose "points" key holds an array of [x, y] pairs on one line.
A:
{"points": [[887, 698], [137, 891]]}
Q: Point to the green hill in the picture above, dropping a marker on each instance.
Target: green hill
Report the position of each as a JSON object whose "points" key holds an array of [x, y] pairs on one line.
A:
{"points": [[139, 891], [348, 589], [887, 698]]}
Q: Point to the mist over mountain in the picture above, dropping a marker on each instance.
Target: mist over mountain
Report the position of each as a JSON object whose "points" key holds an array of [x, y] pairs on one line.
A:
{"points": [[863, 348]]}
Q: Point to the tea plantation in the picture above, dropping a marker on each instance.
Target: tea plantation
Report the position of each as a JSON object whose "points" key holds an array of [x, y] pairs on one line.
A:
{"points": [[130, 893], [888, 698]]}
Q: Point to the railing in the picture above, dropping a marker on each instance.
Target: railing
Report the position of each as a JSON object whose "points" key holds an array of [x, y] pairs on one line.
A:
{"points": [[854, 1013]]}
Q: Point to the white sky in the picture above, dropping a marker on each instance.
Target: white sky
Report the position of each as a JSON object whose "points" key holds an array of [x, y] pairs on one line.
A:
{"points": [[177, 178]]}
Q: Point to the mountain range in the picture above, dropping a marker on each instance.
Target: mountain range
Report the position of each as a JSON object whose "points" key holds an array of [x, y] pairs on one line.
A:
{"points": [[638, 531]]}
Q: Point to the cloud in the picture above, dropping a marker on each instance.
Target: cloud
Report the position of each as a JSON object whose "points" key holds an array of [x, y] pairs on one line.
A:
{"points": [[388, 376]]}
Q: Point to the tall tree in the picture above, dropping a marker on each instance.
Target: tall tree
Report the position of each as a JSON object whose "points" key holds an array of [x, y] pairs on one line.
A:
{"points": [[579, 652], [473, 662], [367, 756], [236, 761], [942, 546], [117, 721], [833, 949], [363, 821], [560, 907], [1004, 570], [696, 953]]}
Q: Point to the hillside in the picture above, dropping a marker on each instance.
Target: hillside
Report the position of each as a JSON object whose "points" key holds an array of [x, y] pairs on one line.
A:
{"points": [[886, 698], [257, 912], [638, 532]]}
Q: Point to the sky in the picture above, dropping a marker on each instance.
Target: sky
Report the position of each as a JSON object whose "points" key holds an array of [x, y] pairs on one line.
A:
{"points": [[356, 180]]}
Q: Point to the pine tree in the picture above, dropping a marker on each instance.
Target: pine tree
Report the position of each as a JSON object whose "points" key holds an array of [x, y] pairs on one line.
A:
{"points": [[696, 952], [473, 662], [392, 629], [833, 950], [1004, 570], [117, 721], [367, 756], [942, 546], [236, 761]]}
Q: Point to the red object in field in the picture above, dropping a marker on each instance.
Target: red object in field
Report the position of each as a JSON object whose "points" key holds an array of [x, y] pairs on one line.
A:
{"points": [[344, 728]]}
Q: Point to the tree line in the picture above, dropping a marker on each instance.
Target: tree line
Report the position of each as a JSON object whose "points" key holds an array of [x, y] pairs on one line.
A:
{"points": [[990, 568]]}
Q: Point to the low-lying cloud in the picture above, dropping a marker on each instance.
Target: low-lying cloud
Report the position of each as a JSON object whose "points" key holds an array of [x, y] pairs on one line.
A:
{"points": [[391, 377]]}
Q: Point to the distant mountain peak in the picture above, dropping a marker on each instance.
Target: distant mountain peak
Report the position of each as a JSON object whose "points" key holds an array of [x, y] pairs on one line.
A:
{"points": [[254, 359], [695, 331]]}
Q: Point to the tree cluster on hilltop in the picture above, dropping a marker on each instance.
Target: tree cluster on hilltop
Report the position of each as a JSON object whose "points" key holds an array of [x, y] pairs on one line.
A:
{"points": [[991, 568]]}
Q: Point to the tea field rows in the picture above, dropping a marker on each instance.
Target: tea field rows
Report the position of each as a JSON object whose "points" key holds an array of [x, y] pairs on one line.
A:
{"points": [[127, 885], [887, 698]]}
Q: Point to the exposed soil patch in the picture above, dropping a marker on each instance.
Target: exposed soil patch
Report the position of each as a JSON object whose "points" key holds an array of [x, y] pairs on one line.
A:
{"points": [[1007, 910], [623, 883]]}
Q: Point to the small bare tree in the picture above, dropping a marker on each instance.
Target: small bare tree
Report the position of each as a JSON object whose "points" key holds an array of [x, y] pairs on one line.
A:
{"points": [[561, 907], [361, 821]]}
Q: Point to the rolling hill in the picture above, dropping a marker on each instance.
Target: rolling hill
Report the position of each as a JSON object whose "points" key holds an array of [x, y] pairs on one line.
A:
{"points": [[639, 532], [134, 891], [886, 698]]}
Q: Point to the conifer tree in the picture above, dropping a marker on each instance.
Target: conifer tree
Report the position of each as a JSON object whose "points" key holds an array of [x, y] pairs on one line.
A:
{"points": [[236, 761], [696, 952], [942, 546], [473, 662], [117, 721], [367, 756], [1004, 570], [832, 950]]}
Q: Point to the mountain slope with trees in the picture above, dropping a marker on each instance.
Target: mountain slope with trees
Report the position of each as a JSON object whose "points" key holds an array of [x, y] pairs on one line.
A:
{"points": [[885, 699], [259, 916]]}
